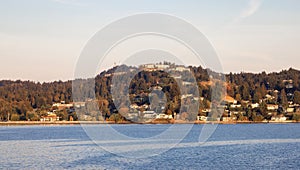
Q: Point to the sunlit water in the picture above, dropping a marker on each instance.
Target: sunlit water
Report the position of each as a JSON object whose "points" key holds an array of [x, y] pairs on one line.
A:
{"points": [[244, 146]]}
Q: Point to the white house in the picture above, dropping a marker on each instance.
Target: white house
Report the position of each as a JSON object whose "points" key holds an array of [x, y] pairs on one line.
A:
{"points": [[148, 66], [134, 106], [62, 105], [79, 104], [278, 118], [162, 66], [202, 118], [149, 114], [184, 96], [181, 68], [163, 116], [290, 110], [131, 116], [272, 106], [51, 117], [254, 105], [186, 83]]}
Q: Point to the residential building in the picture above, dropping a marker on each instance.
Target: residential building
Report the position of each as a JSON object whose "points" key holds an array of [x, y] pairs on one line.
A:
{"points": [[51, 117]]}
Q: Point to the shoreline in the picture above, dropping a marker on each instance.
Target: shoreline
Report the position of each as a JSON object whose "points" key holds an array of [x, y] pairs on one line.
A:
{"points": [[20, 123]]}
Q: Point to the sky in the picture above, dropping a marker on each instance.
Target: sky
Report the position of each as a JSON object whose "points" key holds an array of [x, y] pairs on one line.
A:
{"points": [[41, 40]]}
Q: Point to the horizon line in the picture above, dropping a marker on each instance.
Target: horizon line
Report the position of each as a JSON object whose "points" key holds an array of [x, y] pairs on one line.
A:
{"points": [[72, 79]]}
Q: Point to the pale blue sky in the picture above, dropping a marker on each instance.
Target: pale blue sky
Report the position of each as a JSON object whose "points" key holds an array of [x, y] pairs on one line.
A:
{"points": [[41, 40]]}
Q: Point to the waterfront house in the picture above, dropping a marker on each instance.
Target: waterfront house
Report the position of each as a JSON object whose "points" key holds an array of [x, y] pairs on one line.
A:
{"points": [[163, 116], [202, 118], [228, 119], [279, 118], [149, 114], [50, 117]]}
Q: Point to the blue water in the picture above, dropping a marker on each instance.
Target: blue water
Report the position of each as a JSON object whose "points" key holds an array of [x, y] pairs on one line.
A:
{"points": [[242, 146]]}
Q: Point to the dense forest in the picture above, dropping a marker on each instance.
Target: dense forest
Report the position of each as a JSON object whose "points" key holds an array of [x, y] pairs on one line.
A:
{"points": [[27, 100]]}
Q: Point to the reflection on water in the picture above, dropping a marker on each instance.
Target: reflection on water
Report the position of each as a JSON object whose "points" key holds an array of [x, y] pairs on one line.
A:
{"points": [[268, 146]]}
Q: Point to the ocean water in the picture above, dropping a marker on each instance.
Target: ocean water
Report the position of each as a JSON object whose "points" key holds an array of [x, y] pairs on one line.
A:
{"points": [[242, 146]]}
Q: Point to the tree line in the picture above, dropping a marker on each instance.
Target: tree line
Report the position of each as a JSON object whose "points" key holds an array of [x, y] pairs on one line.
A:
{"points": [[23, 100]]}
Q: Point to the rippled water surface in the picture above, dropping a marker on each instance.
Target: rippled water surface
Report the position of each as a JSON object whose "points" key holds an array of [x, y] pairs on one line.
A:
{"points": [[243, 146]]}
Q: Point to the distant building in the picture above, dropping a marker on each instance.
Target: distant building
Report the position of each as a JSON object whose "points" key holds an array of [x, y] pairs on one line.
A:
{"points": [[132, 116], [186, 83], [162, 66], [134, 106], [228, 119], [196, 98], [149, 114], [272, 106], [62, 105], [177, 77], [290, 110], [79, 104], [254, 105], [278, 118], [184, 96], [108, 75], [149, 67], [182, 68], [50, 117], [202, 118], [163, 116]]}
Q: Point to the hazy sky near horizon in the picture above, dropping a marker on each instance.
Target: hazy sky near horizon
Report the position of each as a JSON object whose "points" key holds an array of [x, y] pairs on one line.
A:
{"points": [[41, 40]]}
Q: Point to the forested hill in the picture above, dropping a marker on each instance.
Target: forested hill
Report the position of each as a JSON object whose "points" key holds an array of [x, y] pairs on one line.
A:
{"points": [[28, 100]]}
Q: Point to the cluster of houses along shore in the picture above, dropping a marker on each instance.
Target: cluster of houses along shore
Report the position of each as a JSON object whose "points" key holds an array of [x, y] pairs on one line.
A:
{"points": [[56, 107], [71, 107], [231, 107], [231, 110]]}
